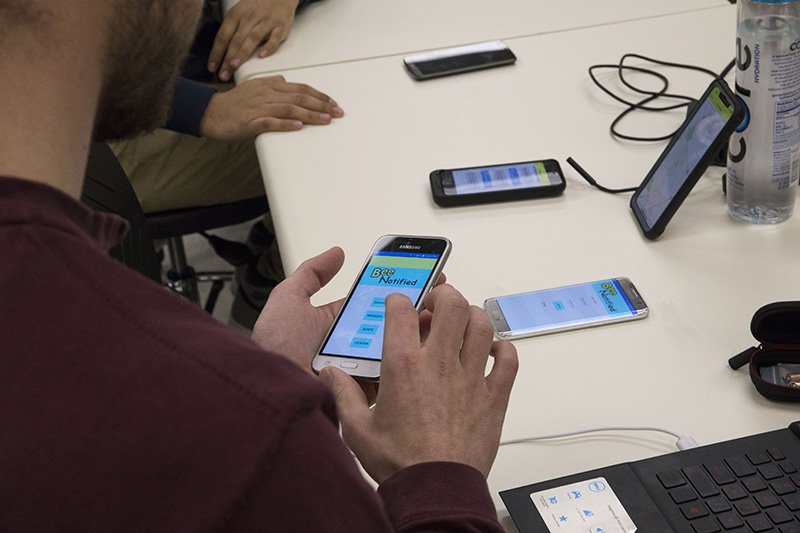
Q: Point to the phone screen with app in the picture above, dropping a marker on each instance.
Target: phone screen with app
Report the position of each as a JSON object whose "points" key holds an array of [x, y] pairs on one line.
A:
{"points": [[567, 307], [683, 156], [501, 178], [575, 303], [358, 332]]}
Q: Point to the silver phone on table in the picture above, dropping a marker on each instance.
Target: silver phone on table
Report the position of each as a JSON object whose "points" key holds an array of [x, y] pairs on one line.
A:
{"points": [[565, 308]]}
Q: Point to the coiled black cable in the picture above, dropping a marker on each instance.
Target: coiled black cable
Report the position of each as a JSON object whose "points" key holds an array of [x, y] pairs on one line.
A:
{"points": [[643, 105]]}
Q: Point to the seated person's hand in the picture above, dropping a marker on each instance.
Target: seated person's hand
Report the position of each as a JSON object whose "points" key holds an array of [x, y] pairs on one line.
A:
{"points": [[289, 325], [266, 104], [245, 27], [435, 401]]}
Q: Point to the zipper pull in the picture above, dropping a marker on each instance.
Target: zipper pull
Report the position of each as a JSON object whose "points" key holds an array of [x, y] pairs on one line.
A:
{"points": [[739, 360]]}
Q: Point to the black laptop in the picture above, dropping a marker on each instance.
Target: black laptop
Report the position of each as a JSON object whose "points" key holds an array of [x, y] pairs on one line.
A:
{"points": [[742, 485]]}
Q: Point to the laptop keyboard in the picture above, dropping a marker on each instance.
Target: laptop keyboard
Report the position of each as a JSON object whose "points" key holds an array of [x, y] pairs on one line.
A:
{"points": [[758, 491]]}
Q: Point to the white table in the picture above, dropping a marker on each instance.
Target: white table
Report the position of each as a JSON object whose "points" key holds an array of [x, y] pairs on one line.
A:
{"points": [[367, 174], [333, 31]]}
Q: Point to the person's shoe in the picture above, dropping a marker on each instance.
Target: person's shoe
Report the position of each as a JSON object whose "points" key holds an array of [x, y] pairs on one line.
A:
{"points": [[258, 240], [252, 292]]}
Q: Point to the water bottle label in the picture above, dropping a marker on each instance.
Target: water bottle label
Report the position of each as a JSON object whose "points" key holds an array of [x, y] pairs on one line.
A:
{"points": [[764, 158], [786, 141]]}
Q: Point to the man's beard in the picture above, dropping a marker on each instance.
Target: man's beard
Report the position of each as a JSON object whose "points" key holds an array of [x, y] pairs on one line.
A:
{"points": [[149, 40]]}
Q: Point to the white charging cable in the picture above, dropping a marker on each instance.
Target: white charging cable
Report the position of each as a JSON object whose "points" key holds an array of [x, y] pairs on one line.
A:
{"points": [[683, 442]]}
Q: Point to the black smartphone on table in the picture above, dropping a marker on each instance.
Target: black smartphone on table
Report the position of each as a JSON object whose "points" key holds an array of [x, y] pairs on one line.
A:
{"points": [[447, 61], [405, 264], [706, 130], [497, 183]]}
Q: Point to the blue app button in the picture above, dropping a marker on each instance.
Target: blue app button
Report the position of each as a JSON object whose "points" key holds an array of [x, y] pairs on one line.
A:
{"points": [[367, 329], [360, 343]]}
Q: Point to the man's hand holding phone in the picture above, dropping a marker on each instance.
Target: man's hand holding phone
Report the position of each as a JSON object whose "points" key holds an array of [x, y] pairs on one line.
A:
{"points": [[435, 402], [289, 324], [406, 264]]}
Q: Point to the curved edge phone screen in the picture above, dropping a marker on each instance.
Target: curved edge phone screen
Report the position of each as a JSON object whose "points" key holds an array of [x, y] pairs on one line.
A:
{"points": [[500, 178], [566, 307], [398, 267]]}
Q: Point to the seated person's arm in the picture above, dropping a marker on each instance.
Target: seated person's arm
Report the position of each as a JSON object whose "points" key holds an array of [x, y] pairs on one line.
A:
{"points": [[249, 109], [261, 105], [256, 106]]}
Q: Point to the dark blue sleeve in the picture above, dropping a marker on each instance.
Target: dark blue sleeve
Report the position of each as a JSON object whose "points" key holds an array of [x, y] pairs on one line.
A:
{"points": [[189, 101]]}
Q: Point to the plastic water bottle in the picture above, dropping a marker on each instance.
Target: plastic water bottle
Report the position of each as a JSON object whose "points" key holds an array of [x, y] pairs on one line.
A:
{"points": [[764, 157]]}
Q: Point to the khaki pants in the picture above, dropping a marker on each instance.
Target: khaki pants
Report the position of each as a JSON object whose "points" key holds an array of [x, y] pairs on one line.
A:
{"points": [[171, 170]]}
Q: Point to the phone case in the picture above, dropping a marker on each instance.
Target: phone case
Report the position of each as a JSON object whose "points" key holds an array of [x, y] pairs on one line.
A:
{"points": [[777, 327], [702, 165]]}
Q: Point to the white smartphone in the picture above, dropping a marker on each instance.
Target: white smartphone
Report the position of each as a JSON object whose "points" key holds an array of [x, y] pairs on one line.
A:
{"points": [[404, 264], [565, 308]]}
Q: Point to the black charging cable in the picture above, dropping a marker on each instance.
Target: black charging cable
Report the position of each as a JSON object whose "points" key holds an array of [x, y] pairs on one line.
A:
{"points": [[588, 177], [642, 105]]}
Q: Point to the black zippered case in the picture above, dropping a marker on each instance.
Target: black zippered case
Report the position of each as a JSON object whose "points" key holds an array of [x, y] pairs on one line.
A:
{"points": [[777, 328]]}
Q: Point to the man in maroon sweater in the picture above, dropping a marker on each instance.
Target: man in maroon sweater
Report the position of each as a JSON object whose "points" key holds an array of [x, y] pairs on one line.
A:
{"points": [[125, 408]]}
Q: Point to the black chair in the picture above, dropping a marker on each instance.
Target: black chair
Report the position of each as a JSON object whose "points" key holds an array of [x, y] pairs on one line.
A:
{"points": [[107, 188], [172, 225]]}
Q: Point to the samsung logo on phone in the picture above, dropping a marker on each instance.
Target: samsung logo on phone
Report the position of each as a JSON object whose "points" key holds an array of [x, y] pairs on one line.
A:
{"points": [[410, 247]]}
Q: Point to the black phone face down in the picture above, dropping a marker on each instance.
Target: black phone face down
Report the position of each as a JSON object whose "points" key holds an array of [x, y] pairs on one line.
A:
{"points": [[460, 59], [497, 183], [706, 130]]}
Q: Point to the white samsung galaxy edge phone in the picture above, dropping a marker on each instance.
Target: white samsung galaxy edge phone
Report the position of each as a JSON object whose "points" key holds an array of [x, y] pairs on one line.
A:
{"points": [[565, 308]]}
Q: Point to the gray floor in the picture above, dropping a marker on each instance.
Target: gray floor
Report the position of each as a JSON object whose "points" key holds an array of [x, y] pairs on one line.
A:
{"points": [[201, 257]]}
